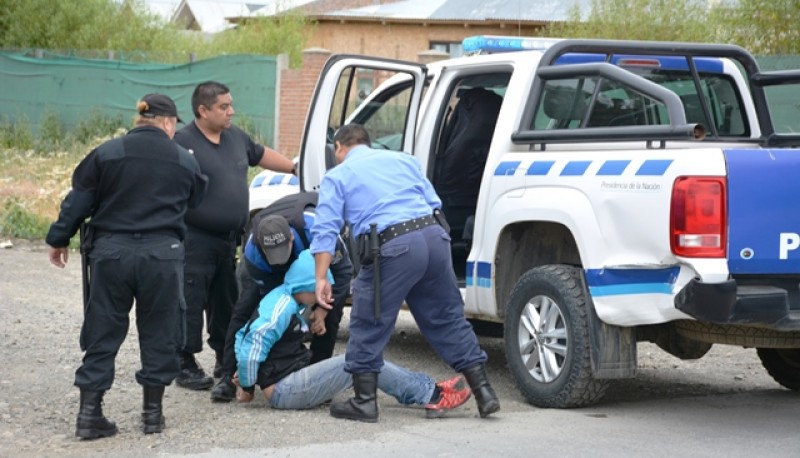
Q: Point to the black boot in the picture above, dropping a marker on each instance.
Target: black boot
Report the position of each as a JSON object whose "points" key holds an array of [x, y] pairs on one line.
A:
{"points": [[152, 416], [364, 406], [483, 391], [91, 422], [192, 376], [224, 390]]}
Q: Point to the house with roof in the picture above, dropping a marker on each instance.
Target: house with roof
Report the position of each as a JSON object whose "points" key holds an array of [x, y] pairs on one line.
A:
{"points": [[213, 16], [402, 29]]}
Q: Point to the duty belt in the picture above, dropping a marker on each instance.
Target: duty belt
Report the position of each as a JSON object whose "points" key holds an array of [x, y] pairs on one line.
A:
{"points": [[138, 234], [396, 230]]}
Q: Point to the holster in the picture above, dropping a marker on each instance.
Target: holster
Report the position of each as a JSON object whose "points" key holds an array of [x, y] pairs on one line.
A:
{"points": [[441, 219], [86, 239], [364, 249]]}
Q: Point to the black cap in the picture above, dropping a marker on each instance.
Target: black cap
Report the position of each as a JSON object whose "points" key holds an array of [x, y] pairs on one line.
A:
{"points": [[158, 105], [274, 237]]}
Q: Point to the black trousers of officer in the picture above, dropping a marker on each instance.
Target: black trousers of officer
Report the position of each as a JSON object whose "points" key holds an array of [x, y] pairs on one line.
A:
{"points": [[210, 287], [124, 267]]}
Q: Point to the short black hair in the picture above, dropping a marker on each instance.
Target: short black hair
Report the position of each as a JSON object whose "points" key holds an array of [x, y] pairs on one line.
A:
{"points": [[352, 134], [206, 94]]}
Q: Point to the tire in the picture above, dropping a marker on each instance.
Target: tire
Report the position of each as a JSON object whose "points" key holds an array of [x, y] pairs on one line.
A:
{"points": [[550, 358], [783, 364], [732, 334]]}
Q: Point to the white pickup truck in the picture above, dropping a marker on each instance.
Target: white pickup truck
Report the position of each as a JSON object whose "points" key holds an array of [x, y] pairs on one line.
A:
{"points": [[600, 193]]}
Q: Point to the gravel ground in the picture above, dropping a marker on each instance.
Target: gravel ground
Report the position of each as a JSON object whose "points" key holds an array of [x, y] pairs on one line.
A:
{"points": [[41, 309]]}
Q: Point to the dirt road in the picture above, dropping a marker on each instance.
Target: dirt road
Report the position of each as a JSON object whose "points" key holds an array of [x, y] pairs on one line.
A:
{"points": [[40, 310]]}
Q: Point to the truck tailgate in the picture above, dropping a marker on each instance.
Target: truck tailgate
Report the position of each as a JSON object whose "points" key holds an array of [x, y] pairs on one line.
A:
{"points": [[763, 211]]}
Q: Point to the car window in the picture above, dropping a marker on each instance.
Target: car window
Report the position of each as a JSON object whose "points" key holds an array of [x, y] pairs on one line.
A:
{"points": [[573, 103]]}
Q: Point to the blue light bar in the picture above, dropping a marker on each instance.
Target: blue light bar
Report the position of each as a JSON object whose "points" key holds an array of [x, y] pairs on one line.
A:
{"points": [[486, 44]]}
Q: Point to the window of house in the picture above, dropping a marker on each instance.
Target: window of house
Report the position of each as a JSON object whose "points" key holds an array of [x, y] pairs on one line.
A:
{"points": [[454, 48]]}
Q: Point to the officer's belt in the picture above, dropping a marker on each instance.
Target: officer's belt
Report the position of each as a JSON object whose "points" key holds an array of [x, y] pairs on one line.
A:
{"points": [[396, 230], [138, 234]]}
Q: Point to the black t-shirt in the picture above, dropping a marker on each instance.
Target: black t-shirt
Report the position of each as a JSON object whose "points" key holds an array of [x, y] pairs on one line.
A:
{"points": [[225, 207], [141, 182]]}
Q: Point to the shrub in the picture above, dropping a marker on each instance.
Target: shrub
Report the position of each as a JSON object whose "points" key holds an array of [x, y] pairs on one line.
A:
{"points": [[18, 221], [17, 134], [51, 133], [97, 125]]}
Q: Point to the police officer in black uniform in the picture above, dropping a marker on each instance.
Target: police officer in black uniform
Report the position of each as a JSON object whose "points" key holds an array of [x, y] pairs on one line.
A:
{"points": [[277, 235], [136, 189]]}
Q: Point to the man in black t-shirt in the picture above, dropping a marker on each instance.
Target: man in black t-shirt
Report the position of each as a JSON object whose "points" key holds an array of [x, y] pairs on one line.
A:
{"points": [[224, 153]]}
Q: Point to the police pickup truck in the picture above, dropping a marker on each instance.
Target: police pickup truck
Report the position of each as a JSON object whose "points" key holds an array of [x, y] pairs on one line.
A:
{"points": [[599, 193]]}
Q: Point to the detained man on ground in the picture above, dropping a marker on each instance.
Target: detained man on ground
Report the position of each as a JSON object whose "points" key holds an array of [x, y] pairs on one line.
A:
{"points": [[271, 353]]}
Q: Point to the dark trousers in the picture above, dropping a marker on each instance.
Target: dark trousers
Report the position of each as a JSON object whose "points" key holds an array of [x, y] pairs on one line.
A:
{"points": [[209, 287], [416, 267], [149, 269], [251, 293]]}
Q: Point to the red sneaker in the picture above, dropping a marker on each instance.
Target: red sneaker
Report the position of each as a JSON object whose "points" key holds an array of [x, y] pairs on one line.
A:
{"points": [[454, 392]]}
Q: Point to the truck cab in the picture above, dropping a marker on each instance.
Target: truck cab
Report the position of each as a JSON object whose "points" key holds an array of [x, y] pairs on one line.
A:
{"points": [[599, 193]]}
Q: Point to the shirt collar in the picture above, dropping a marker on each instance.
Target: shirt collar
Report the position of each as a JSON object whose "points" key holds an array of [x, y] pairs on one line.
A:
{"points": [[355, 150]]}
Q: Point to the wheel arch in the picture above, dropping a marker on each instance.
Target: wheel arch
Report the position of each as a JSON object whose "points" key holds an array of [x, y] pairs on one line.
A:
{"points": [[521, 246]]}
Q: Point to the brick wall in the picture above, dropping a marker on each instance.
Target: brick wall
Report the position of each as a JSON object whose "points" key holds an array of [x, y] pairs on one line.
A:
{"points": [[296, 89]]}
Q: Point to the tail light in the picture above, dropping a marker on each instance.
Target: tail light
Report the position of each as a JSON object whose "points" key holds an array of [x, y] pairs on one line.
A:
{"points": [[698, 219]]}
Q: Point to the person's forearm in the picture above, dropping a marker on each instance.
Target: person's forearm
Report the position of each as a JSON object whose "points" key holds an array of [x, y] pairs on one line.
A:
{"points": [[322, 261], [274, 160]]}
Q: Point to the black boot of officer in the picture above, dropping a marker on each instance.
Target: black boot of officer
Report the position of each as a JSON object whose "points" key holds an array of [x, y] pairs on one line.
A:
{"points": [[92, 424], [364, 406], [483, 391], [152, 416], [192, 376]]}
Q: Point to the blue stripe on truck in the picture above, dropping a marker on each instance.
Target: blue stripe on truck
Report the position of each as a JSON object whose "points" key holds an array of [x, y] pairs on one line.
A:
{"points": [[617, 167], [610, 282]]}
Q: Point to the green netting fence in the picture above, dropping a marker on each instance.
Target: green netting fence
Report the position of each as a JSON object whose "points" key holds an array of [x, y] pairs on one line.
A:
{"points": [[75, 88]]}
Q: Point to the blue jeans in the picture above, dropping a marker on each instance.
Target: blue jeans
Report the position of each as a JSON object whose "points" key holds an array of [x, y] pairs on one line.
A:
{"points": [[319, 382]]}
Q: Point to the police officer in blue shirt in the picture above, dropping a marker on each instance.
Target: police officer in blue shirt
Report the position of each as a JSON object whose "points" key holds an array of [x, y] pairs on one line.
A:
{"points": [[387, 200]]}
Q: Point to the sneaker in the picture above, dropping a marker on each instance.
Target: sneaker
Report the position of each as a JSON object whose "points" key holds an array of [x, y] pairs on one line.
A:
{"points": [[224, 390], [192, 376], [454, 392]]}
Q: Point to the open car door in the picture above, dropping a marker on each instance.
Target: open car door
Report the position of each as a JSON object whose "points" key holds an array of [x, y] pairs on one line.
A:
{"points": [[383, 95]]}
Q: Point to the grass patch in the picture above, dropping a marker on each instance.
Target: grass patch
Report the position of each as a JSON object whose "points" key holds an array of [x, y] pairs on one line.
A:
{"points": [[37, 171], [19, 221]]}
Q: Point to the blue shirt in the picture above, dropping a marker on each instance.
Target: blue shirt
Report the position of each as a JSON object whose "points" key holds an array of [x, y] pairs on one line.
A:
{"points": [[370, 186]]}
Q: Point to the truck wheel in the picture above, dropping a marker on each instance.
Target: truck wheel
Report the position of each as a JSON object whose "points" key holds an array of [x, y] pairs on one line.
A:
{"points": [[547, 339], [783, 364]]}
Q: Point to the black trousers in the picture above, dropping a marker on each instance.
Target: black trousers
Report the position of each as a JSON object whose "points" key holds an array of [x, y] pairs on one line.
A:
{"points": [[251, 293], [124, 267], [209, 288]]}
